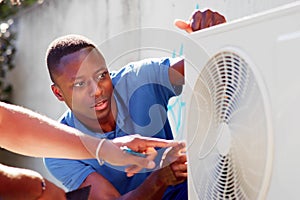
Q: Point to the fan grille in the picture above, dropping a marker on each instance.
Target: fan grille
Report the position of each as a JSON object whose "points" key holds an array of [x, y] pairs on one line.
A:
{"points": [[227, 181], [227, 76], [228, 161]]}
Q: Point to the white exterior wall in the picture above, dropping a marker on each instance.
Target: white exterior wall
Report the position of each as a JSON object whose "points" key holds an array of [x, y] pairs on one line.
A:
{"points": [[98, 20]]}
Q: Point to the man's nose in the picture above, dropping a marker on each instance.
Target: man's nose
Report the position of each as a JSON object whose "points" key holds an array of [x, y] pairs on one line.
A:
{"points": [[95, 89]]}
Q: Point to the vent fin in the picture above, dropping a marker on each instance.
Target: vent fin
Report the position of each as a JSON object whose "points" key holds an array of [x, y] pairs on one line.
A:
{"points": [[227, 77]]}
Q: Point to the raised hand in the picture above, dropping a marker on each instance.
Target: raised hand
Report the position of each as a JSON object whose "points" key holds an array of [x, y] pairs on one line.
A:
{"points": [[200, 20]]}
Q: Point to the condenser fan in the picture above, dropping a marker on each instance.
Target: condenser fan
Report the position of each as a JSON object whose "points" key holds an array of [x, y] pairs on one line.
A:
{"points": [[229, 136]]}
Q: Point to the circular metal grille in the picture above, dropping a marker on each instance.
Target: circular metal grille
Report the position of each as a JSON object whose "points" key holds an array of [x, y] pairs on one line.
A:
{"points": [[228, 135], [226, 76]]}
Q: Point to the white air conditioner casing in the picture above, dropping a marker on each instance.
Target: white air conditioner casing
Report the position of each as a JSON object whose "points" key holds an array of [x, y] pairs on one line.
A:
{"points": [[271, 41]]}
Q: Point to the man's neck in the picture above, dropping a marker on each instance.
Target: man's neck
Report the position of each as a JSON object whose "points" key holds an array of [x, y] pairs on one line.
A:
{"points": [[97, 126]]}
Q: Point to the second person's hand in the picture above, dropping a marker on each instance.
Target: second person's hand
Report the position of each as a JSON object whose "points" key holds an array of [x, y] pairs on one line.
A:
{"points": [[145, 146]]}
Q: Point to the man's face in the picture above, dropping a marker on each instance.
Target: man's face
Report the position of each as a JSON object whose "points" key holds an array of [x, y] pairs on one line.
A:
{"points": [[83, 82]]}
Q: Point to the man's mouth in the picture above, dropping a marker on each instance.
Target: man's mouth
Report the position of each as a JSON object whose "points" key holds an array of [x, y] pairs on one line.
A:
{"points": [[101, 105]]}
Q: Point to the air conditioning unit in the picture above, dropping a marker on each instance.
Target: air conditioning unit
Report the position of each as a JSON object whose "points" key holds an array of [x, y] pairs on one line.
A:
{"points": [[243, 138]]}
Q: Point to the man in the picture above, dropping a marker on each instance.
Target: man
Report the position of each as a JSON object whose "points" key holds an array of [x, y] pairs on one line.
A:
{"points": [[109, 105]]}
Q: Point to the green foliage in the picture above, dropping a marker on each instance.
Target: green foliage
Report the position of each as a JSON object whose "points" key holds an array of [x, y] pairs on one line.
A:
{"points": [[7, 52], [7, 45], [7, 8]]}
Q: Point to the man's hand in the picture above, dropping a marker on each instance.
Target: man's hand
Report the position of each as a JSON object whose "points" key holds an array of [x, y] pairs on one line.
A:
{"points": [[174, 163], [174, 173], [179, 169], [200, 20]]}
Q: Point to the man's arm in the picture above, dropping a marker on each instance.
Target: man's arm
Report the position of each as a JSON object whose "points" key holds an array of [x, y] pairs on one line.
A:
{"points": [[176, 71], [101, 188], [199, 20], [152, 188]]}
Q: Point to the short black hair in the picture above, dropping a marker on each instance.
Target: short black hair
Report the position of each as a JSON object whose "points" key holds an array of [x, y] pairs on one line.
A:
{"points": [[63, 46]]}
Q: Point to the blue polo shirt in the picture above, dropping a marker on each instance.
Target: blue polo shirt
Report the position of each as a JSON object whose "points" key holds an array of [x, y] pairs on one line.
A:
{"points": [[142, 90]]}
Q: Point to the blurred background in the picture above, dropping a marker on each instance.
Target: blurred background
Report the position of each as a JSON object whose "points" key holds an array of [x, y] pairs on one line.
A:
{"points": [[28, 28]]}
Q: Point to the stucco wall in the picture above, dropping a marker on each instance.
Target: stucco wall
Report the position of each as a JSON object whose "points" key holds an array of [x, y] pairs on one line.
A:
{"points": [[98, 20]]}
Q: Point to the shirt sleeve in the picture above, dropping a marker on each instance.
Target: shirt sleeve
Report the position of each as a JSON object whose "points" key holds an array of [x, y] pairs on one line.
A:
{"points": [[71, 173], [155, 71]]}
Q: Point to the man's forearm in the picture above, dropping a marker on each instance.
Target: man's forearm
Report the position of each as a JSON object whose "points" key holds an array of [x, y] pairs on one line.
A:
{"points": [[152, 188]]}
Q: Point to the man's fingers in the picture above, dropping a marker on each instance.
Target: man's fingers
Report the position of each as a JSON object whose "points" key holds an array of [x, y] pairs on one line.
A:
{"points": [[201, 20], [182, 159], [179, 167], [181, 174], [219, 19], [182, 167], [196, 20], [207, 19]]}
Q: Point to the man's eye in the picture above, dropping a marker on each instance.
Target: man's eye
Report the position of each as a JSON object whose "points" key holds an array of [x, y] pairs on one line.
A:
{"points": [[102, 76], [79, 84]]}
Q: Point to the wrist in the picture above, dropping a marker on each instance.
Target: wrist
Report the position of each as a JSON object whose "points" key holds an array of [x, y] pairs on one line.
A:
{"points": [[152, 188], [159, 180], [98, 150]]}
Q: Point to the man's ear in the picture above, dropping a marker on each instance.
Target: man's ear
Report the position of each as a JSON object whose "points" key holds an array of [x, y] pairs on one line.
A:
{"points": [[56, 91]]}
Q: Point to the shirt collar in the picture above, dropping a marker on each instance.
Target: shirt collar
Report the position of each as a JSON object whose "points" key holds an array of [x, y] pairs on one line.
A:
{"points": [[74, 122]]}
